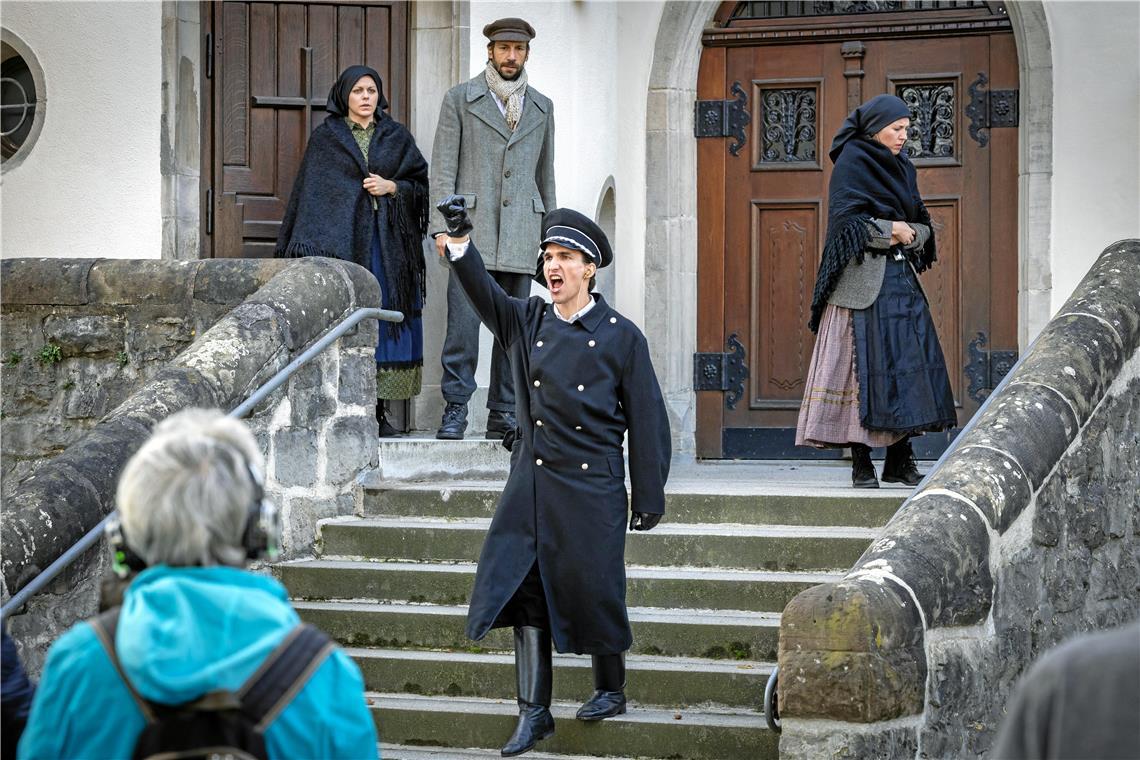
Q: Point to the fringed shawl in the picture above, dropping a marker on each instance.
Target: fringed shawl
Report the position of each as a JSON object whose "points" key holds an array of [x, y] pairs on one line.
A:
{"points": [[330, 213], [869, 182]]}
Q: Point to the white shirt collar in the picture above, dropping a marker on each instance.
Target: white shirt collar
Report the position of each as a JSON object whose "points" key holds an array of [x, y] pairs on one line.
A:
{"points": [[576, 315]]}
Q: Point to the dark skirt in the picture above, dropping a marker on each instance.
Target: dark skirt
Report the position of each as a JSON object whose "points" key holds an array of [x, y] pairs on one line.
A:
{"points": [[904, 386], [399, 352]]}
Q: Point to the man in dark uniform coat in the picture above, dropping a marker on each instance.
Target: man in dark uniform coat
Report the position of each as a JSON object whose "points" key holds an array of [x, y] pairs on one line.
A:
{"points": [[553, 561]]}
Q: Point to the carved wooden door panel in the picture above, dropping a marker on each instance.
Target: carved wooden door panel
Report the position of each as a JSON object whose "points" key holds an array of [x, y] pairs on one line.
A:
{"points": [[269, 69], [762, 213]]}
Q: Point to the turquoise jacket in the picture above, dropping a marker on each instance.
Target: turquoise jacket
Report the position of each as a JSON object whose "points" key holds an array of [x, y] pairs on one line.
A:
{"points": [[183, 632]]}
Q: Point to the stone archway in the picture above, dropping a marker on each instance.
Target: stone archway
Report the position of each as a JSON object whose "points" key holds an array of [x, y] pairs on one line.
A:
{"points": [[671, 274]]}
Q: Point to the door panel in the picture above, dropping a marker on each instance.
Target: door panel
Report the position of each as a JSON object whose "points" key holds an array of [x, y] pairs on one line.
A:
{"points": [[274, 64], [762, 215]]}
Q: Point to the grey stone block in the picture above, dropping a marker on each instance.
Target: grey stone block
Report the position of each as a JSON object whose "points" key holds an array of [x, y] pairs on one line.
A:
{"points": [[940, 548], [352, 444], [1078, 356], [93, 387], [80, 334], [1020, 409], [310, 399], [295, 457], [141, 281], [1109, 291], [308, 297], [990, 479], [302, 518], [230, 281], [357, 381], [811, 742], [155, 335], [44, 281]]}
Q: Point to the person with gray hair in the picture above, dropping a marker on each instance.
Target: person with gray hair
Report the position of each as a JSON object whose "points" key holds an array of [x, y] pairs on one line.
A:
{"points": [[193, 621]]}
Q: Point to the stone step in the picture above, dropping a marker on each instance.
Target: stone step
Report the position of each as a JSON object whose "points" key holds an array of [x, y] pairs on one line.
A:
{"points": [[450, 583], [404, 752], [709, 503], [689, 734], [422, 457], [672, 682], [751, 547], [710, 634]]}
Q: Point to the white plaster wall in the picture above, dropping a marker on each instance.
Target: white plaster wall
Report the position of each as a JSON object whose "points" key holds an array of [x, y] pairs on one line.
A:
{"points": [[91, 185], [1096, 133]]}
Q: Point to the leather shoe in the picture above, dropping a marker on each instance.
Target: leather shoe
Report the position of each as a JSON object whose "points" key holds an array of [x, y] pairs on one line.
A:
{"points": [[499, 424], [900, 466], [454, 422], [862, 470], [604, 704]]}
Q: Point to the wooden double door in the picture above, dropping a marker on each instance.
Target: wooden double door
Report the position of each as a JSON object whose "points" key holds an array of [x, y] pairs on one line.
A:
{"points": [[269, 68], [762, 211]]}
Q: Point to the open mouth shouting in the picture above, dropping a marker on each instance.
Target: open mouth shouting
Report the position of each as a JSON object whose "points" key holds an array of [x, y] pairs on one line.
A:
{"points": [[554, 283]]}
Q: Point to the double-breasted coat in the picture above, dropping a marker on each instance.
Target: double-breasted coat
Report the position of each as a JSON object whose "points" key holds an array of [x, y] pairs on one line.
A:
{"points": [[507, 178], [581, 387]]}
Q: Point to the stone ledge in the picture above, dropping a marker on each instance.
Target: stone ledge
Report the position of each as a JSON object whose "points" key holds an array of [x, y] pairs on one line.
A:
{"points": [[71, 493], [937, 544]]}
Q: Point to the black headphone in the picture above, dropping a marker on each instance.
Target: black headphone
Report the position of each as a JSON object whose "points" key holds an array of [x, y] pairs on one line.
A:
{"points": [[261, 537]]}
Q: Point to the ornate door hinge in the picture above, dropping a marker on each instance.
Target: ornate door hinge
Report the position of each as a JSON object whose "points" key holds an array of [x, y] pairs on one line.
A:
{"points": [[723, 118], [722, 372], [989, 109], [986, 368]]}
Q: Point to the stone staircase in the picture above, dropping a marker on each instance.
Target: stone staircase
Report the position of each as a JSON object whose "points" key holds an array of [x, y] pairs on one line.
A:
{"points": [[705, 592]]}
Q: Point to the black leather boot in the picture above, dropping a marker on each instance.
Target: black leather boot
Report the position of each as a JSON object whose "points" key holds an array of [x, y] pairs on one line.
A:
{"points": [[609, 689], [862, 470], [900, 466], [533, 670], [499, 424], [454, 422]]}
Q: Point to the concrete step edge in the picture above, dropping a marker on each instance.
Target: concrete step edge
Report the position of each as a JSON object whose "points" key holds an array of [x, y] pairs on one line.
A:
{"points": [[665, 528], [633, 662], [664, 572], [678, 616], [711, 717], [403, 752]]}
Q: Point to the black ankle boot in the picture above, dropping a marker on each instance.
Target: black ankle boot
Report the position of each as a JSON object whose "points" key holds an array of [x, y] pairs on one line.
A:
{"points": [[862, 470], [534, 673], [386, 428], [609, 689], [900, 466]]}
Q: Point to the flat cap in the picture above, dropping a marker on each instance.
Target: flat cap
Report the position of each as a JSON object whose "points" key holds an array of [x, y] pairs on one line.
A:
{"points": [[509, 30], [575, 231]]}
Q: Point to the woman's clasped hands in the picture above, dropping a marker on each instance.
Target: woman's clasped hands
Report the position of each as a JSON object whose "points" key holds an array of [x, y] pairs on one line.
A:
{"points": [[377, 185]]}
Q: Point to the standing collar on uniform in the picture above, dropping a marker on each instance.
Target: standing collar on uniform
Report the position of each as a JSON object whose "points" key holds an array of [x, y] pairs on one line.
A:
{"points": [[591, 319]]}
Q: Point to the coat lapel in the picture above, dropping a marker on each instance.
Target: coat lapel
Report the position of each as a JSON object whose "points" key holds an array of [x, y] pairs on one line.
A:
{"points": [[531, 119], [482, 105]]}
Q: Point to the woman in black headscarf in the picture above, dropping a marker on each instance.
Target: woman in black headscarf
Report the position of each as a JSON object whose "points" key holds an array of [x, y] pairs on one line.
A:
{"points": [[361, 195], [877, 375]]}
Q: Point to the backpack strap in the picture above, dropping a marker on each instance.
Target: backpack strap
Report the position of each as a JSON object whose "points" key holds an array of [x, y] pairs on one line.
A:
{"points": [[105, 625], [284, 673]]}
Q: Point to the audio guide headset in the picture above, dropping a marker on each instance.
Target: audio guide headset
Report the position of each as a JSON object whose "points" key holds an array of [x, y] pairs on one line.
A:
{"points": [[261, 537]]}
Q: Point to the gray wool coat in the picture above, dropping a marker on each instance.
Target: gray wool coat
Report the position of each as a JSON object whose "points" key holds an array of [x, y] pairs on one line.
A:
{"points": [[506, 177]]}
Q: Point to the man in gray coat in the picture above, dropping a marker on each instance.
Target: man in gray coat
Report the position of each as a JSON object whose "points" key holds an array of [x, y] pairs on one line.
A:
{"points": [[494, 146]]}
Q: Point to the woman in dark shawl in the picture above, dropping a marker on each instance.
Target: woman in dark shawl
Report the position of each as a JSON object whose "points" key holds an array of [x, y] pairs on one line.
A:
{"points": [[877, 375], [361, 195]]}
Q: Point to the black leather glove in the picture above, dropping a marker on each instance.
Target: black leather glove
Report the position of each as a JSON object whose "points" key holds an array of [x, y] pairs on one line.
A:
{"points": [[644, 520], [454, 210]]}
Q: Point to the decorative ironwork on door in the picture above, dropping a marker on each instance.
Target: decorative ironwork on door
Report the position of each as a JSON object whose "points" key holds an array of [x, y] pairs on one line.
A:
{"points": [[724, 118]]}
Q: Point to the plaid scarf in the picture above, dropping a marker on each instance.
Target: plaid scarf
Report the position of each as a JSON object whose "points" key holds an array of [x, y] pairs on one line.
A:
{"points": [[509, 91]]}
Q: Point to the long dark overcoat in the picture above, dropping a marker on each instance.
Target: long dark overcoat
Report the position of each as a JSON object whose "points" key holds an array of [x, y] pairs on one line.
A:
{"points": [[579, 388]]}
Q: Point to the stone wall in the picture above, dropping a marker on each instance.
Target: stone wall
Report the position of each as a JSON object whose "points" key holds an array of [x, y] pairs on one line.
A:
{"points": [[1028, 533], [318, 432]]}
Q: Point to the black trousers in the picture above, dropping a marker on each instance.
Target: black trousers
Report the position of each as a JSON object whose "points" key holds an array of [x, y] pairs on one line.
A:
{"points": [[461, 347]]}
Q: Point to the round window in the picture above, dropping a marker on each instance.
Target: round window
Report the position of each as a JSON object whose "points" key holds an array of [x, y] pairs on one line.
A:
{"points": [[21, 99]]}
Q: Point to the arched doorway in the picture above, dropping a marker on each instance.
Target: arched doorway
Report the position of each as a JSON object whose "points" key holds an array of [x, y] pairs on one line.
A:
{"points": [[761, 208]]}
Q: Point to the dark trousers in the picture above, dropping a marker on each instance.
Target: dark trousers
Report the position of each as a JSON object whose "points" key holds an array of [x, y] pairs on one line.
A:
{"points": [[461, 347]]}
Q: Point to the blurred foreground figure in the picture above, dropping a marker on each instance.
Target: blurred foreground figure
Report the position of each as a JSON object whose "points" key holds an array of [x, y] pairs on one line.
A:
{"points": [[201, 653], [1081, 700]]}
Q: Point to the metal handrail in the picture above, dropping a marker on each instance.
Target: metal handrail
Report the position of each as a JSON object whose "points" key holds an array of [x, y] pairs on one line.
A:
{"points": [[91, 537]]}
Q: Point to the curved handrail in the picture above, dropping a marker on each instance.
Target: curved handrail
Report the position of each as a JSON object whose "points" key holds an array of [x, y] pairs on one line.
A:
{"points": [[771, 700], [91, 537]]}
